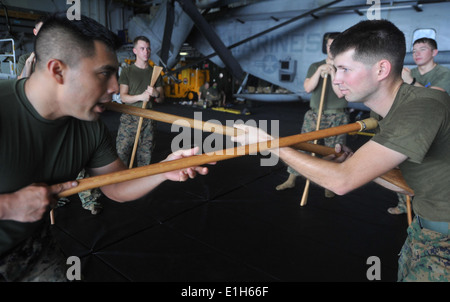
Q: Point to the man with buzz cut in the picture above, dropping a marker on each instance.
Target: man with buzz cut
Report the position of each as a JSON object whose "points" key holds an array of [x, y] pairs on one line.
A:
{"points": [[414, 134], [49, 131], [135, 89]]}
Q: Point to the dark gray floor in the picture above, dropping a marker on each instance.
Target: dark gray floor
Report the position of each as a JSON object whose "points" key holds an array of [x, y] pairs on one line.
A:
{"points": [[232, 225]]}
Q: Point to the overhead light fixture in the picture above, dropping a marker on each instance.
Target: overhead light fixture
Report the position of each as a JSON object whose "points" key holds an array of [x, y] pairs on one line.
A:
{"points": [[183, 53]]}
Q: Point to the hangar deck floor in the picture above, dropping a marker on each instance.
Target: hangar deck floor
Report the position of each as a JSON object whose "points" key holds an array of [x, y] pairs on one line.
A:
{"points": [[232, 225]]}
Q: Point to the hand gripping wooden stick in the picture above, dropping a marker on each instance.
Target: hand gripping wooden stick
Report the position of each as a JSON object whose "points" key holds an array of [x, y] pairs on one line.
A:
{"points": [[196, 160], [319, 118], [155, 75], [394, 176]]}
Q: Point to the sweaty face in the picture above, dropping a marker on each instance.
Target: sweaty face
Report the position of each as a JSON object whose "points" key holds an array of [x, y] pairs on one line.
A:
{"points": [[91, 84], [356, 80]]}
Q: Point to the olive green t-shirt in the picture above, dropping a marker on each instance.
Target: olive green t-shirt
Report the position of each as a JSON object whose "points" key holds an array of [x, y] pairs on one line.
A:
{"points": [[439, 76], [21, 63], [137, 80], [418, 126], [331, 100], [37, 150]]}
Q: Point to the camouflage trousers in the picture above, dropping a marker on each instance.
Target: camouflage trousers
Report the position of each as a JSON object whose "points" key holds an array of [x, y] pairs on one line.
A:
{"points": [[89, 198], [402, 203], [425, 255], [126, 136], [326, 121], [38, 259]]}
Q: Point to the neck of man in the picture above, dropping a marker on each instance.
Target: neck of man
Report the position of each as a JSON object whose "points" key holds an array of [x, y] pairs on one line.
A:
{"points": [[382, 101], [423, 69], [44, 102], [141, 63]]}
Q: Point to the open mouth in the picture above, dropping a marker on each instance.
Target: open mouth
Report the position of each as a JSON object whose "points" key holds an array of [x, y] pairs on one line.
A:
{"points": [[99, 108]]}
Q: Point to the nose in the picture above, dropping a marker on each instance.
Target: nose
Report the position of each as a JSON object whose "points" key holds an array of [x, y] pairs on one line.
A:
{"points": [[337, 78], [113, 85]]}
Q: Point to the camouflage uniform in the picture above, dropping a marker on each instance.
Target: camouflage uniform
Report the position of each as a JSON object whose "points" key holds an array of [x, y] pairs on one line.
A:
{"points": [[333, 114], [38, 259], [425, 255], [137, 79], [330, 118], [89, 198], [126, 136]]}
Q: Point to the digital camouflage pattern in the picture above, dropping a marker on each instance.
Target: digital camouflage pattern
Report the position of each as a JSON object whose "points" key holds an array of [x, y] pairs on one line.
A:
{"points": [[38, 259], [326, 121], [425, 256], [126, 136], [89, 198]]}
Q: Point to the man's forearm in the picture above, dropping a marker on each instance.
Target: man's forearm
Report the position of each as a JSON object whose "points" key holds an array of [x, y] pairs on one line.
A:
{"points": [[130, 99], [133, 189]]}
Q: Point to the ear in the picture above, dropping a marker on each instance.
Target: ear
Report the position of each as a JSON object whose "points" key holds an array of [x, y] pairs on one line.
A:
{"points": [[57, 70], [384, 68], [434, 52], [134, 50]]}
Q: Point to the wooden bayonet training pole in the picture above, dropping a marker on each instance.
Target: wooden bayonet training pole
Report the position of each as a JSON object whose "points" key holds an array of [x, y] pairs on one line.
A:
{"points": [[155, 75], [173, 119], [319, 117], [214, 156]]}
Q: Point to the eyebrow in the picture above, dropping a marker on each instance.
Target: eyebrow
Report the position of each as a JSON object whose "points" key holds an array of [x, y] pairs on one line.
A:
{"points": [[110, 68]]}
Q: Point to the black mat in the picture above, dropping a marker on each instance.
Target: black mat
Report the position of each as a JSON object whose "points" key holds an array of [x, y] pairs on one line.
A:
{"points": [[232, 225]]}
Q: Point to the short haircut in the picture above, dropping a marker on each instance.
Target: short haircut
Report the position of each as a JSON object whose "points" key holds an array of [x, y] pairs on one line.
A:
{"points": [[431, 42], [140, 38], [331, 35], [373, 40], [40, 19], [70, 40]]}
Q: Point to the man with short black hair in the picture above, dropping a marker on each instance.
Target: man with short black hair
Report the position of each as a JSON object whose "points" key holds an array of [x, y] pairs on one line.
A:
{"points": [[49, 131]]}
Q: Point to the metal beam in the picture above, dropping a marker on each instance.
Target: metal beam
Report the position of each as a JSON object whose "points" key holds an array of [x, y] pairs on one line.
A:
{"points": [[216, 43], [261, 33]]}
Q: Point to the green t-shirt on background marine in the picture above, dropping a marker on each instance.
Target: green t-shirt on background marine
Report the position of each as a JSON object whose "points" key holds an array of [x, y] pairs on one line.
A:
{"points": [[439, 76], [137, 80]]}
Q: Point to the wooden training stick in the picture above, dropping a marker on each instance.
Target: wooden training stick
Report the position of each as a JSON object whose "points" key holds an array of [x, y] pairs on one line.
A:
{"points": [[319, 117], [174, 119], [155, 75], [214, 156], [394, 176], [408, 209]]}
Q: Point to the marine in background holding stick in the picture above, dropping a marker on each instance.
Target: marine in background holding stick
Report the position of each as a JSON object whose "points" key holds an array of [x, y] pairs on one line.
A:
{"points": [[135, 90], [155, 74], [334, 108]]}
